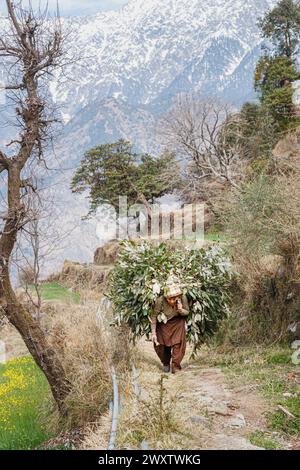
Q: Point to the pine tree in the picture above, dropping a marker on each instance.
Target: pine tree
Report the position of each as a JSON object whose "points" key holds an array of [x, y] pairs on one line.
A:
{"points": [[277, 70], [274, 80], [112, 170], [282, 27]]}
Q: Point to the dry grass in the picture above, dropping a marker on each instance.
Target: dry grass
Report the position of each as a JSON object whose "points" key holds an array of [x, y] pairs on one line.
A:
{"points": [[148, 419], [154, 417], [86, 277], [85, 352], [14, 345], [88, 346], [97, 436]]}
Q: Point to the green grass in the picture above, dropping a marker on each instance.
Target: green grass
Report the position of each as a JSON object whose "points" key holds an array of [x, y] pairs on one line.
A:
{"points": [[261, 439], [23, 391], [283, 357], [216, 237], [278, 421], [273, 387], [55, 291]]}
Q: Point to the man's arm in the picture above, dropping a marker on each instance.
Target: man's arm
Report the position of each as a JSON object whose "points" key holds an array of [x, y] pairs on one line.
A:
{"points": [[185, 310]]}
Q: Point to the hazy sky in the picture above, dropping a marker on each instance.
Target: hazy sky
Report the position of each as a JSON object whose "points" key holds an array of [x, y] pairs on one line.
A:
{"points": [[75, 7]]}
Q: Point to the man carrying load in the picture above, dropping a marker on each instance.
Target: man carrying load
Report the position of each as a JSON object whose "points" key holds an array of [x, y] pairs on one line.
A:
{"points": [[168, 326]]}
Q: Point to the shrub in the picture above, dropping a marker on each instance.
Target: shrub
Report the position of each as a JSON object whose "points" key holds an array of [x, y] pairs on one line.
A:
{"points": [[263, 221]]}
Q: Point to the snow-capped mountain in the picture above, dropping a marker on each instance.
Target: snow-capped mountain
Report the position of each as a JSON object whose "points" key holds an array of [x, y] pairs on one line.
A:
{"points": [[150, 50], [136, 60]]}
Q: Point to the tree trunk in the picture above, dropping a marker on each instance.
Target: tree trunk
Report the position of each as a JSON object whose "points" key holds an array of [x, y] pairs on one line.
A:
{"points": [[144, 201], [34, 49], [38, 346], [28, 327]]}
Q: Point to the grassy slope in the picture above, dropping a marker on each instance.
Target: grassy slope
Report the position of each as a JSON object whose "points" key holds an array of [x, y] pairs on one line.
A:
{"points": [[55, 291]]}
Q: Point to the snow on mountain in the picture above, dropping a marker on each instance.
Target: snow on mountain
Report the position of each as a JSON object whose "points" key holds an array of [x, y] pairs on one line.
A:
{"points": [[148, 47]]}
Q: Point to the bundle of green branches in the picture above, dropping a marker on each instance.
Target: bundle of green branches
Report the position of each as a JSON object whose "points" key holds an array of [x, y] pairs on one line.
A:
{"points": [[141, 272]]}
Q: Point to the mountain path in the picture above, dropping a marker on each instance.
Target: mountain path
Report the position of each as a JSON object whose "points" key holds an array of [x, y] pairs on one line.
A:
{"points": [[210, 413]]}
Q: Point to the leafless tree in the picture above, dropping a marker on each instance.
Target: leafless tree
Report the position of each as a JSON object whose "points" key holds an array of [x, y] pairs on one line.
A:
{"points": [[32, 47], [41, 239], [30, 266], [206, 134]]}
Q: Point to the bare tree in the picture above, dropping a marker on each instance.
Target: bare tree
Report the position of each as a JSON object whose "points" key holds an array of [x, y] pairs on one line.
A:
{"points": [[32, 48], [206, 134], [41, 239]]}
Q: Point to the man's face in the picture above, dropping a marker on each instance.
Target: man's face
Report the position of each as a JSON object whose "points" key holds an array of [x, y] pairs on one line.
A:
{"points": [[172, 300]]}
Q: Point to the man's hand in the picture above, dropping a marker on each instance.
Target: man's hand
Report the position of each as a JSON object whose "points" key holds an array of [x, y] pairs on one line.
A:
{"points": [[154, 339], [180, 308]]}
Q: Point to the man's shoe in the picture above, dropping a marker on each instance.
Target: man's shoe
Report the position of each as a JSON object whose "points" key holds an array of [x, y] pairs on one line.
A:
{"points": [[166, 369]]}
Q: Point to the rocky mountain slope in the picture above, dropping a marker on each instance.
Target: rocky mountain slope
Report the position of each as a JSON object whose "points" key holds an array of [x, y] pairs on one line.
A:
{"points": [[136, 60]]}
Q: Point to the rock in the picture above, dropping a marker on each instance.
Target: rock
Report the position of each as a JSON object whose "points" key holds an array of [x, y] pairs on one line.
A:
{"points": [[290, 296], [189, 219], [90, 276], [219, 409], [233, 406], [107, 254], [202, 420], [224, 442], [145, 445], [182, 396], [237, 422]]}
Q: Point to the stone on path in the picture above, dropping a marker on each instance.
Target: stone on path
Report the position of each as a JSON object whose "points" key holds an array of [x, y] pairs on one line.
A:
{"points": [[225, 442], [237, 422], [202, 420]]}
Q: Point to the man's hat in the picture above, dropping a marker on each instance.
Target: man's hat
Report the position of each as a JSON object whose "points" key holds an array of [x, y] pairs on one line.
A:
{"points": [[172, 287]]}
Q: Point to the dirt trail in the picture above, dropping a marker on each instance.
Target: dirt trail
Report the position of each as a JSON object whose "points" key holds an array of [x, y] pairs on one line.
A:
{"points": [[211, 414]]}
